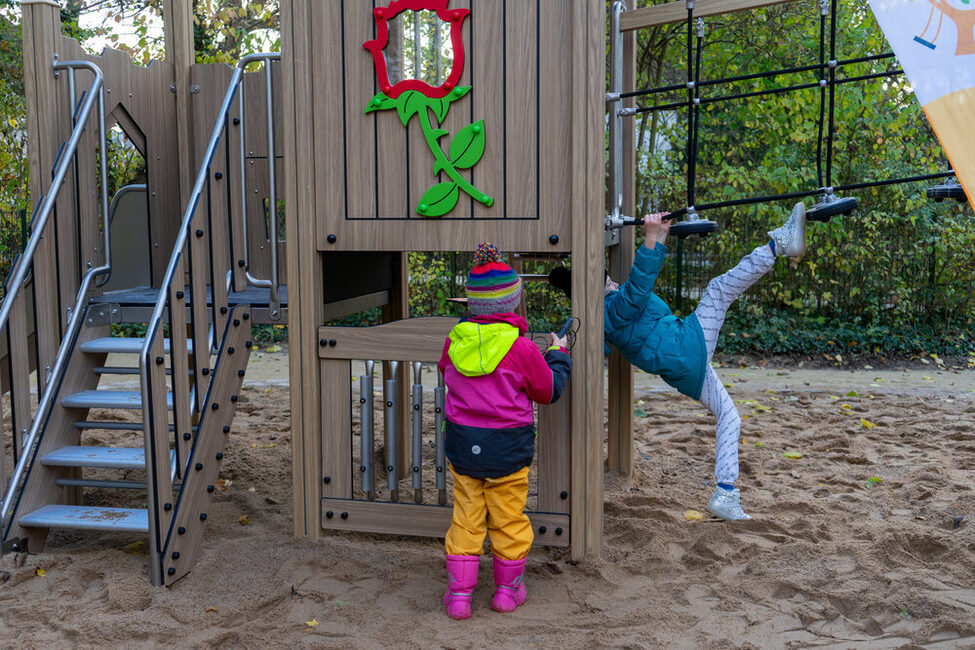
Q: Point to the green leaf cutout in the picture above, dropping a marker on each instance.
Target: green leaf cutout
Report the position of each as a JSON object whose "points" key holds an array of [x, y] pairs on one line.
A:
{"points": [[380, 103], [439, 200], [409, 104], [468, 147]]}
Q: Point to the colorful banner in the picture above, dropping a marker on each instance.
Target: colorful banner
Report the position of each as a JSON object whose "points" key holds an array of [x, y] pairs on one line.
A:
{"points": [[934, 40]]}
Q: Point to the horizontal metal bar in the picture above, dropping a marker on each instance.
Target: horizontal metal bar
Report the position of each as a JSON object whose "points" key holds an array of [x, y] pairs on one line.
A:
{"points": [[96, 483]]}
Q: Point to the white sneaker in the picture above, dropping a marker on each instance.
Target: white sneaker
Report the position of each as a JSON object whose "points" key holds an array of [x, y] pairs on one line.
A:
{"points": [[726, 504], [790, 239]]}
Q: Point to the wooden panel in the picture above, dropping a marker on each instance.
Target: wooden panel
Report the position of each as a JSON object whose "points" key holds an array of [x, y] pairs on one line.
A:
{"points": [[673, 12], [388, 146], [327, 132], [360, 129], [178, 25], [204, 465], [555, 454], [416, 339], [337, 434], [423, 520], [522, 109]]}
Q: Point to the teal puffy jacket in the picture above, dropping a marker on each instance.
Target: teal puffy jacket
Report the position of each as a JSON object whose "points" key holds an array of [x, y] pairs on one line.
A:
{"points": [[642, 326]]}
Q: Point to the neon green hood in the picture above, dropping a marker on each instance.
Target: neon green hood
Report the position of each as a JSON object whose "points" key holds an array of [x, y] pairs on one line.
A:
{"points": [[476, 349]]}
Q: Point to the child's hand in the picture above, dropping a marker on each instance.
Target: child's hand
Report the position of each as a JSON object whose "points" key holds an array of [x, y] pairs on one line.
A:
{"points": [[560, 342], [656, 228]]}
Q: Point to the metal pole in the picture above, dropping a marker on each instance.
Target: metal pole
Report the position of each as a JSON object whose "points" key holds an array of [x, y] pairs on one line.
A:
{"points": [[616, 117], [440, 442], [390, 396], [366, 434], [274, 304], [417, 439]]}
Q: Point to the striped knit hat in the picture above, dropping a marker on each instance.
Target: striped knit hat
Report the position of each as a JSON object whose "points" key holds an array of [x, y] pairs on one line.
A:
{"points": [[492, 286]]}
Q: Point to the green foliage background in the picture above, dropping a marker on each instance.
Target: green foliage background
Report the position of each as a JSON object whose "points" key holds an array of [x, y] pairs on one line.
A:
{"points": [[895, 278]]}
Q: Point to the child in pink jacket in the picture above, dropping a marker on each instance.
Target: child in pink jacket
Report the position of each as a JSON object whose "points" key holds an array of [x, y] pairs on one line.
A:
{"points": [[493, 374]]}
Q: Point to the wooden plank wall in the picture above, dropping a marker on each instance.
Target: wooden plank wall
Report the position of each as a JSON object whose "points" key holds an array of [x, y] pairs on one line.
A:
{"points": [[373, 169]]}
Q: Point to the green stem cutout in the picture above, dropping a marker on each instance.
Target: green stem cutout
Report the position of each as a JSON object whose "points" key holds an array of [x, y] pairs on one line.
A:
{"points": [[465, 150]]}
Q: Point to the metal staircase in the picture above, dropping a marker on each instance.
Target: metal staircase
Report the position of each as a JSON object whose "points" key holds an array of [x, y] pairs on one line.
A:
{"points": [[190, 365]]}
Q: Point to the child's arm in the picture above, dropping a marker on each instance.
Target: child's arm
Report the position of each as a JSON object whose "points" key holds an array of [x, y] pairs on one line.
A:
{"points": [[545, 375], [634, 294]]}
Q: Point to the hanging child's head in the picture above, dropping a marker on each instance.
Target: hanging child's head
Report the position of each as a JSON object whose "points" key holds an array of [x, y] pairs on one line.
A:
{"points": [[492, 286]]}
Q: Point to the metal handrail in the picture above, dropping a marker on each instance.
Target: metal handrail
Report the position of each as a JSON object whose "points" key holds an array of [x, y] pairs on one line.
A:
{"points": [[155, 322], [274, 306], [95, 93], [121, 194]]}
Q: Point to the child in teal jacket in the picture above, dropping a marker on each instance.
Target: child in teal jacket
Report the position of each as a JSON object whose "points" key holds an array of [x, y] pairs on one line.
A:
{"points": [[679, 350]]}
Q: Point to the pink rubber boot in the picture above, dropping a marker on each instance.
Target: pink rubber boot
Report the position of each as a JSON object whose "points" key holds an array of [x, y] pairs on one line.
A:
{"points": [[509, 576], [461, 580]]}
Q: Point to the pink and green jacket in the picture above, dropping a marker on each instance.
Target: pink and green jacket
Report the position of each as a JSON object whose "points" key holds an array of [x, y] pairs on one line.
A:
{"points": [[494, 374]]}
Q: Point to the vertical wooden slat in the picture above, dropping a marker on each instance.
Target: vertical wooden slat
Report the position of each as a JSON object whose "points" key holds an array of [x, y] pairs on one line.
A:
{"points": [[588, 81], [554, 454], [20, 402], [179, 362], [306, 138], [157, 445], [555, 134], [521, 110], [392, 170], [178, 26], [487, 100], [620, 408], [327, 137], [360, 128], [336, 403], [198, 279], [42, 22]]}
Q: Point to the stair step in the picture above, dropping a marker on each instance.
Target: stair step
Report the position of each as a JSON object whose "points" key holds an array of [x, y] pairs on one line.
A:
{"points": [[123, 345], [108, 399], [125, 520], [120, 370], [101, 457], [116, 426]]}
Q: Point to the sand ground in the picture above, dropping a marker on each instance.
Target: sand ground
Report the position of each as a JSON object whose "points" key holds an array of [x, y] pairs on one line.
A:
{"points": [[866, 541]]}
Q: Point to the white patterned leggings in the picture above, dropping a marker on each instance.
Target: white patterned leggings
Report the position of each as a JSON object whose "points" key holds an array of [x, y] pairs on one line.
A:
{"points": [[711, 311]]}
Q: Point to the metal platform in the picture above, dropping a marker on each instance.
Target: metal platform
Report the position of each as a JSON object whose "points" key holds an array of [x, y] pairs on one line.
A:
{"points": [[117, 345], [100, 457], [135, 305]]}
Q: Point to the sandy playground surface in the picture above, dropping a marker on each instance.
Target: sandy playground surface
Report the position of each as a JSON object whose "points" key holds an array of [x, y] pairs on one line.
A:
{"points": [[866, 541]]}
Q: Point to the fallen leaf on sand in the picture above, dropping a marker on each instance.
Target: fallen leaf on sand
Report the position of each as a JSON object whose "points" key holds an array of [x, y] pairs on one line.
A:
{"points": [[792, 454], [867, 424], [312, 623], [209, 609], [39, 572], [693, 515], [874, 480], [134, 548], [243, 520]]}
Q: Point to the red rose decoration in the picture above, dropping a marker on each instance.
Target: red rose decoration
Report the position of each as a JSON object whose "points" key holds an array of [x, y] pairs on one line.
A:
{"points": [[384, 14]]}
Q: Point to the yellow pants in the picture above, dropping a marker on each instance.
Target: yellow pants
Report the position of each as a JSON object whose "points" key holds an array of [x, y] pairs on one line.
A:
{"points": [[495, 506]]}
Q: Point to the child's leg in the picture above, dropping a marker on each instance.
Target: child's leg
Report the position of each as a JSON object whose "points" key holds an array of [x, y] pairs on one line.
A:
{"points": [[716, 398], [723, 290], [508, 526], [469, 524], [511, 538]]}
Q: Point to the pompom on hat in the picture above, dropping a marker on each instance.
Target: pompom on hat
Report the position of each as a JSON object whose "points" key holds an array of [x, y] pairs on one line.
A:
{"points": [[492, 286]]}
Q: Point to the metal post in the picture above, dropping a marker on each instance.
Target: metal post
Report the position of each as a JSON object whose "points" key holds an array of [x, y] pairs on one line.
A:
{"points": [[366, 431], [417, 439], [391, 399], [616, 117], [274, 304], [439, 397]]}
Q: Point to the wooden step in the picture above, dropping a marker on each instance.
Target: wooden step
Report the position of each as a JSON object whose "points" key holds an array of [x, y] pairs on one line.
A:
{"points": [[123, 345], [125, 520], [108, 399], [101, 457]]}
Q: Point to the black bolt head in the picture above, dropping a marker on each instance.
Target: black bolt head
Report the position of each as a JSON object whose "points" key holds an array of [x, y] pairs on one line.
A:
{"points": [[542, 530], [249, 344], [558, 531], [219, 456], [205, 372], [179, 295], [215, 407], [236, 121], [223, 310], [187, 436], [327, 479], [210, 488], [332, 239], [362, 468], [247, 316], [203, 516], [181, 531], [233, 398], [345, 515], [564, 494], [236, 322], [175, 555], [199, 466], [160, 361], [416, 469], [241, 263], [226, 429], [167, 507], [332, 343], [553, 240], [329, 514], [231, 350], [240, 373], [199, 233], [170, 571], [218, 175], [323, 342]]}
